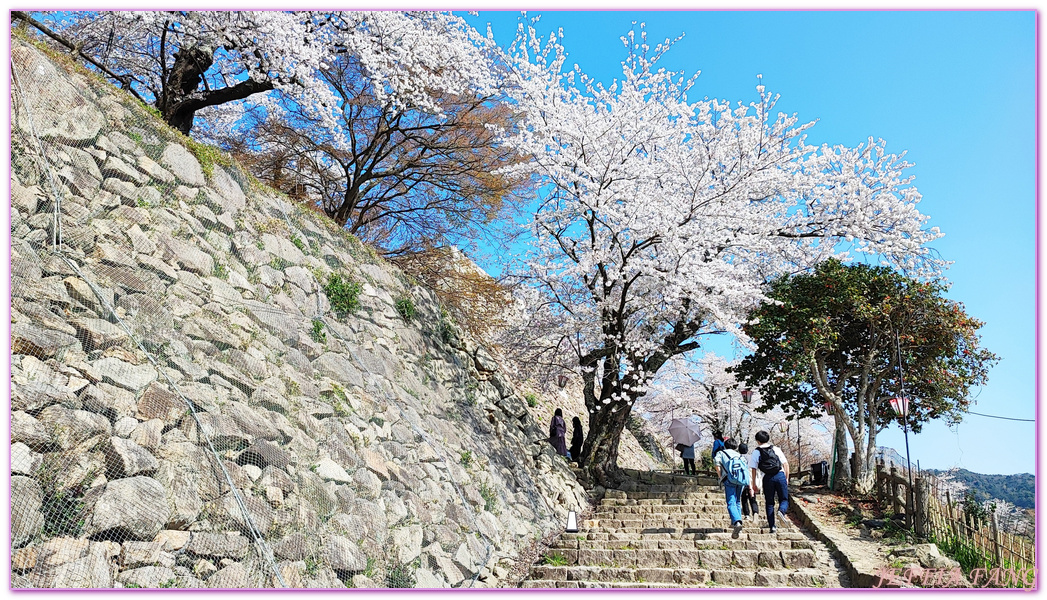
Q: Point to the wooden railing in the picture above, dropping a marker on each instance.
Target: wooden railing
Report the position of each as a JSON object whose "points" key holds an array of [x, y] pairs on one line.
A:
{"points": [[931, 513]]}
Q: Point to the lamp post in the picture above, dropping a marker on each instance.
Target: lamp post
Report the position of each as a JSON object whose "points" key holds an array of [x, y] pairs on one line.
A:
{"points": [[747, 396], [783, 427], [901, 407]]}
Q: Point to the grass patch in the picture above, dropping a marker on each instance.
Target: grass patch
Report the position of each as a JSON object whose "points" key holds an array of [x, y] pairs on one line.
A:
{"points": [[531, 398], [445, 329], [344, 294], [490, 497], [298, 243], [401, 576], [220, 271], [63, 510], [405, 306], [554, 560], [317, 333], [207, 155], [279, 263], [466, 458]]}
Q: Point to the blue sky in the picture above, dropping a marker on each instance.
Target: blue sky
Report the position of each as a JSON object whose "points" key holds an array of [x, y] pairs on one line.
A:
{"points": [[954, 89]]}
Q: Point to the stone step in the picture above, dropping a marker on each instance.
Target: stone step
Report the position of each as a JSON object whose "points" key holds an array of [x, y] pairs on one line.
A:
{"points": [[720, 522], [667, 495], [550, 576], [649, 544], [670, 533], [717, 500], [664, 530], [714, 506], [668, 505], [674, 558]]}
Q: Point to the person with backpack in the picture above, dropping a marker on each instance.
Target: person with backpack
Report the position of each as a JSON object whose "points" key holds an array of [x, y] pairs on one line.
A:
{"points": [[734, 475], [749, 505], [717, 444], [774, 468]]}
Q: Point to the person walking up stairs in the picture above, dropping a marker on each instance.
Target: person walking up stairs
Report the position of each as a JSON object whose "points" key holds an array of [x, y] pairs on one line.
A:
{"points": [[774, 468], [734, 476], [670, 531]]}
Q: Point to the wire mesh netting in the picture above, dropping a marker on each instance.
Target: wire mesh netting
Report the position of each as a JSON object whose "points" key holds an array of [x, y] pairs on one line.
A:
{"points": [[214, 387]]}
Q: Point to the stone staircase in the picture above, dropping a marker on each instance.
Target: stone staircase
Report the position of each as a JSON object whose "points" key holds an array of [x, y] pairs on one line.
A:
{"points": [[660, 530]]}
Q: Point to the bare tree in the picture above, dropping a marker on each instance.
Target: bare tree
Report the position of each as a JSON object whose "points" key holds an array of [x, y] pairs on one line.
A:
{"points": [[403, 178]]}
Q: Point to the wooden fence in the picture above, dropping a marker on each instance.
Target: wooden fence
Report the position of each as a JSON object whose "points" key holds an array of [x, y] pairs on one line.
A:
{"points": [[932, 513]]}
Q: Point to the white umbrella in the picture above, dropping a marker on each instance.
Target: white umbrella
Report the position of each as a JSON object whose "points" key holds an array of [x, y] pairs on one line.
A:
{"points": [[684, 431]]}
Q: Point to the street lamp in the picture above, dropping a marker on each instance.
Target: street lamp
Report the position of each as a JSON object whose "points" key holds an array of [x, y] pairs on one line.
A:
{"points": [[747, 396], [799, 456], [901, 407]]}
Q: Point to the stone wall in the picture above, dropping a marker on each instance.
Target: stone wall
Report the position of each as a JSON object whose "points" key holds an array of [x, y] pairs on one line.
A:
{"points": [[189, 411]]}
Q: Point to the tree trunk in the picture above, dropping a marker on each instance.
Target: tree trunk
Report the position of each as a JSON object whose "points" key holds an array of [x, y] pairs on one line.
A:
{"points": [[601, 445], [606, 422], [188, 70], [842, 481], [863, 475]]}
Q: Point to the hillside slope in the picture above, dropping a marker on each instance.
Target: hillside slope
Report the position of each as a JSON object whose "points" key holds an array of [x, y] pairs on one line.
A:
{"points": [[1018, 489], [188, 410]]}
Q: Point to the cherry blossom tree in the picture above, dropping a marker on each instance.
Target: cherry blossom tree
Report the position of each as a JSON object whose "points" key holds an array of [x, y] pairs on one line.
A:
{"points": [[183, 62], [702, 388], [662, 218], [707, 388], [389, 122]]}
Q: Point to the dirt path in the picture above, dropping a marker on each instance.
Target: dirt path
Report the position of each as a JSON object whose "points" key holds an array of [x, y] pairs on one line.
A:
{"points": [[875, 548]]}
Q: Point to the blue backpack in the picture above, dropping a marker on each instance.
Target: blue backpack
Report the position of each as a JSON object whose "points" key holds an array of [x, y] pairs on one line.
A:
{"points": [[735, 468]]}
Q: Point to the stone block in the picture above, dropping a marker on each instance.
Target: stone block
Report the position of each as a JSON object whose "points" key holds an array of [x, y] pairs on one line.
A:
{"points": [[647, 558], [581, 573], [614, 574], [734, 578], [140, 554], [625, 558], [656, 575], [798, 559], [772, 579], [746, 559], [807, 578], [551, 573], [218, 545], [690, 576], [716, 559], [770, 559], [596, 557]]}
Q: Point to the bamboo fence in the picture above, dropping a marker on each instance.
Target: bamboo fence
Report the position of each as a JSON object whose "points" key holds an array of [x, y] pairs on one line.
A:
{"points": [[931, 512]]}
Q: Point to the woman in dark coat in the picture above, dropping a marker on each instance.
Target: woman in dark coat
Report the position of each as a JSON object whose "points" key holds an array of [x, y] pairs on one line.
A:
{"points": [[557, 432], [576, 439]]}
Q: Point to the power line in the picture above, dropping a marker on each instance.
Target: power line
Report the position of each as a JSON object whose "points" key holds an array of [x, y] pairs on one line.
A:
{"points": [[970, 412]]}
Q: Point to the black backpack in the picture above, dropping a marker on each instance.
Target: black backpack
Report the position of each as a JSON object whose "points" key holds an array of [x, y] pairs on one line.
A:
{"points": [[769, 463]]}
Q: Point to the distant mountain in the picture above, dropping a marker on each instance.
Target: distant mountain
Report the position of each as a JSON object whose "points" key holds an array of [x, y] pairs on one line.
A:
{"points": [[1019, 490]]}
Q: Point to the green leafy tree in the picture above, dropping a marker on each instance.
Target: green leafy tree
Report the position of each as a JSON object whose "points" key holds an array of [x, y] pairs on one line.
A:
{"points": [[830, 340]]}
